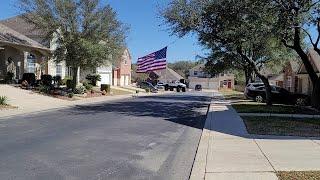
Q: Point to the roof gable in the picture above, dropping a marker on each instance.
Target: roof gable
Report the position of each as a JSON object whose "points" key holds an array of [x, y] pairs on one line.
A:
{"points": [[8, 35]]}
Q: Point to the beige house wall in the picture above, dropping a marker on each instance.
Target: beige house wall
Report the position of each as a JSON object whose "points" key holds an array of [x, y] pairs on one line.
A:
{"points": [[304, 84], [212, 83]]}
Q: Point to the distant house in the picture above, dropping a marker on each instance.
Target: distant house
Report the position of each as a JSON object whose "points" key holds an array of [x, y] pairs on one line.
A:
{"points": [[304, 82], [290, 75], [122, 70], [198, 75], [165, 76]]}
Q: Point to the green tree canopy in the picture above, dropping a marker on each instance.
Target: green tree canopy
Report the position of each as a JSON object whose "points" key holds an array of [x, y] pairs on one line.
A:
{"points": [[242, 30]]}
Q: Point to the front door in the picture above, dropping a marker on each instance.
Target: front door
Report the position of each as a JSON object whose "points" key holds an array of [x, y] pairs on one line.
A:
{"points": [[229, 84]]}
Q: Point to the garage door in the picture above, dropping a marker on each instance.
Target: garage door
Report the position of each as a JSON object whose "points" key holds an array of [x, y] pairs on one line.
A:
{"points": [[105, 78]]}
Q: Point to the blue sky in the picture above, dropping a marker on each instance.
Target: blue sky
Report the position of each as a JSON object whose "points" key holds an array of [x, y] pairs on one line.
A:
{"points": [[147, 34]]}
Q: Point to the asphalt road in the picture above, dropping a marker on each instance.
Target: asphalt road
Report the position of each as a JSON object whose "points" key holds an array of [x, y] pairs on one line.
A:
{"points": [[152, 137]]}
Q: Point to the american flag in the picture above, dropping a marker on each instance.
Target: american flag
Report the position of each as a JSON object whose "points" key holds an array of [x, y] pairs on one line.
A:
{"points": [[153, 61]]}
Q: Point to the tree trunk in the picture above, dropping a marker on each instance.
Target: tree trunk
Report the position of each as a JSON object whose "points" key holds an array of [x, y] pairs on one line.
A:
{"points": [[315, 97], [248, 75], [263, 78], [267, 89], [74, 77]]}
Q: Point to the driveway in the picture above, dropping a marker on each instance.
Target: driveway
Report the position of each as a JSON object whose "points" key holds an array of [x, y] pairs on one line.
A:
{"points": [[154, 137]]}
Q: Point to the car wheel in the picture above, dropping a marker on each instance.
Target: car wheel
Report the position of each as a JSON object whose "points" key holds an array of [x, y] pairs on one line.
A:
{"points": [[178, 89], [259, 99], [300, 102]]}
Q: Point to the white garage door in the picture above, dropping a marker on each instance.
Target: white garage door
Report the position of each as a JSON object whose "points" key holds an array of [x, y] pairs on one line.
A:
{"points": [[105, 78]]}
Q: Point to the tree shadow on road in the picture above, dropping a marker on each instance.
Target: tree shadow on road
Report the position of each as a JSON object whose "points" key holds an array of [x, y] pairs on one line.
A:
{"points": [[188, 111]]}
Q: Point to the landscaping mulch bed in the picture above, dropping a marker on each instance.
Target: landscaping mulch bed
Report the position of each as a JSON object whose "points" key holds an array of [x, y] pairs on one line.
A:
{"points": [[4, 107], [253, 107], [299, 175], [283, 126]]}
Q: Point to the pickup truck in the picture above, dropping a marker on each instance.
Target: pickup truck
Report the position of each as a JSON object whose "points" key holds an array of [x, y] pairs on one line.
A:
{"points": [[175, 85]]}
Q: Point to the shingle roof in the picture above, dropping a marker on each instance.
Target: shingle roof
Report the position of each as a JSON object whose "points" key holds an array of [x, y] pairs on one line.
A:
{"points": [[19, 24], [168, 74], [314, 59], [8, 35]]}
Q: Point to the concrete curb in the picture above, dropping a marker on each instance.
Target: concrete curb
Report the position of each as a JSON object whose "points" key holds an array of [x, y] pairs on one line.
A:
{"points": [[279, 115], [198, 171]]}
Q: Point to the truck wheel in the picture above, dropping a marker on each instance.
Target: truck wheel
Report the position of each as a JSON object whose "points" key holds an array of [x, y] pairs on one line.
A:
{"points": [[183, 89], [178, 89], [171, 88], [166, 87]]}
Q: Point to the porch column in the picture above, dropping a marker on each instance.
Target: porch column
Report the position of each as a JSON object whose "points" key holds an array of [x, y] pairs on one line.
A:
{"points": [[78, 76], [25, 64]]}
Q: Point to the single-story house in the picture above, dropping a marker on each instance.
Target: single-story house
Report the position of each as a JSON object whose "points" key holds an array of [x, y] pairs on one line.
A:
{"points": [[167, 75], [198, 75]]}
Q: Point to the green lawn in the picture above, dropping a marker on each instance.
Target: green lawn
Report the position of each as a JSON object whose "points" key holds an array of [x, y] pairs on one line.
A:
{"points": [[301, 175], [283, 126], [116, 92], [253, 107], [232, 95]]}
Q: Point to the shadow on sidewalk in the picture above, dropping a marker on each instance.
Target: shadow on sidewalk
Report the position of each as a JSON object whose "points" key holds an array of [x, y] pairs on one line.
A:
{"points": [[225, 121]]}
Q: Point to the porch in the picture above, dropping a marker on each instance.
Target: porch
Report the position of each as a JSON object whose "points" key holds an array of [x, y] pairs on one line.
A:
{"points": [[19, 60], [20, 54]]}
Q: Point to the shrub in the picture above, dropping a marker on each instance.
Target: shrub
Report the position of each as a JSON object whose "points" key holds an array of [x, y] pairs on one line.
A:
{"points": [[79, 90], [57, 80], [9, 77], [87, 86], [29, 77], [70, 84], [70, 95], [64, 80], [3, 100], [105, 87], [93, 79], [45, 89], [147, 90], [46, 80]]}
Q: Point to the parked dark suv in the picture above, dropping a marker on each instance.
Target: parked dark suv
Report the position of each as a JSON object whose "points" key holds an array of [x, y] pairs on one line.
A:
{"points": [[278, 95], [198, 87]]}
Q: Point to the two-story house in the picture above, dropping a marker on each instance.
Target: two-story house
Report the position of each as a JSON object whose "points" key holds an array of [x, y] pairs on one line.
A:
{"points": [[122, 70], [199, 76]]}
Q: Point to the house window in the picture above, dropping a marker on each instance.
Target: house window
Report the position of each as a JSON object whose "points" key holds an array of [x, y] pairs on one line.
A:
{"points": [[195, 73], [69, 71], [59, 70], [289, 82], [31, 63], [125, 62]]}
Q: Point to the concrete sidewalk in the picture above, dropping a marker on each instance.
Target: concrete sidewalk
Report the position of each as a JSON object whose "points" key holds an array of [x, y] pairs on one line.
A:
{"points": [[29, 102], [227, 151]]}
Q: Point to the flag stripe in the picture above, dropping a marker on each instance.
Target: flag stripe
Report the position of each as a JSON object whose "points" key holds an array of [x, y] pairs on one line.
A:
{"points": [[153, 61]]}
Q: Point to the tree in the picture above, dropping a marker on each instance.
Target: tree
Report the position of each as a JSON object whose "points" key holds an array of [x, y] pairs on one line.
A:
{"points": [[182, 67], [86, 33], [241, 29], [219, 61], [294, 17], [138, 77]]}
